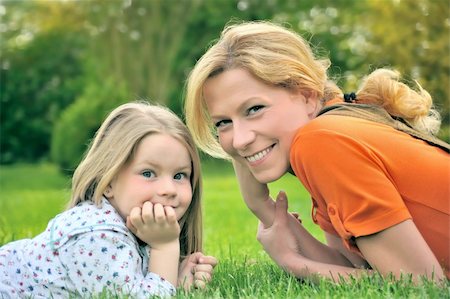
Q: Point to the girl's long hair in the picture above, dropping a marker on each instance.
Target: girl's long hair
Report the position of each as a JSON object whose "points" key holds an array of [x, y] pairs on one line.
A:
{"points": [[114, 146]]}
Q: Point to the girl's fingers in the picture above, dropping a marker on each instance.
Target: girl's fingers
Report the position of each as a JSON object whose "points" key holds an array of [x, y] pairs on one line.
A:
{"points": [[160, 215], [207, 259], [170, 214], [130, 225], [199, 284], [206, 268], [204, 276], [135, 217], [147, 212]]}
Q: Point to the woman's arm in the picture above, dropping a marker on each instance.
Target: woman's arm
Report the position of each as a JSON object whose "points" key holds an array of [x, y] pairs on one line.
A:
{"points": [[255, 194], [258, 200], [336, 243], [400, 249], [391, 251]]}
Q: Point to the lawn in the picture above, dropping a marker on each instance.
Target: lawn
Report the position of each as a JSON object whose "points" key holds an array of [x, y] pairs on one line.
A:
{"points": [[30, 195]]}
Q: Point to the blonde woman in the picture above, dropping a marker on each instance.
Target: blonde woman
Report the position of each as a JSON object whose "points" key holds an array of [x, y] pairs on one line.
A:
{"points": [[378, 179], [135, 212]]}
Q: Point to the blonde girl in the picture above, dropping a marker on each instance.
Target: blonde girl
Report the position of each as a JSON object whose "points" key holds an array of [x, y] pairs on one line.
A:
{"points": [[134, 214]]}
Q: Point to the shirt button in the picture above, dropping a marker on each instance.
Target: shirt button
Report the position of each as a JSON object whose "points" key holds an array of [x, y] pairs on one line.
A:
{"points": [[331, 211]]}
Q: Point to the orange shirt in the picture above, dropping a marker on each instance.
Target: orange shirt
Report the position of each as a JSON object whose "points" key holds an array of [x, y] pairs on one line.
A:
{"points": [[365, 177]]}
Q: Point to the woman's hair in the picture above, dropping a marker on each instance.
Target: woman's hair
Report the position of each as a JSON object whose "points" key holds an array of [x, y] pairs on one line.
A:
{"points": [[383, 88], [280, 57], [114, 146]]}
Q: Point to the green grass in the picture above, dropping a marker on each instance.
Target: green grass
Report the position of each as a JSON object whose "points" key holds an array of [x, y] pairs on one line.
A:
{"points": [[30, 195]]}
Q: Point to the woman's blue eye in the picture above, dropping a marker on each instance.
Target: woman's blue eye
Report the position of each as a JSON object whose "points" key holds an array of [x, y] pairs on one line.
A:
{"points": [[254, 109], [148, 174], [180, 176], [221, 123]]}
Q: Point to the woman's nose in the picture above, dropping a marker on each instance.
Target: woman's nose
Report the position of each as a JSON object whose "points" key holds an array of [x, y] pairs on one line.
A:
{"points": [[243, 135]]}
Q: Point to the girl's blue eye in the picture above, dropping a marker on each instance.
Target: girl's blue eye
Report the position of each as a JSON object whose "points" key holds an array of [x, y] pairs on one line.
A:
{"points": [[179, 176], [148, 174]]}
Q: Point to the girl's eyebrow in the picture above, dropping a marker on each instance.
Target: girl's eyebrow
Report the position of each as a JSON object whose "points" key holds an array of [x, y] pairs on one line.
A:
{"points": [[147, 163]]}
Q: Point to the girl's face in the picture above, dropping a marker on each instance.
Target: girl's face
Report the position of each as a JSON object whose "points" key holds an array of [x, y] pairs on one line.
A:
{"points": [[159, 172], [256, 122]]}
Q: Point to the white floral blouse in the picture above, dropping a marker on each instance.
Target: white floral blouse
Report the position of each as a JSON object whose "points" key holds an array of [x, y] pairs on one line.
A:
{"points": [[83, 251]]}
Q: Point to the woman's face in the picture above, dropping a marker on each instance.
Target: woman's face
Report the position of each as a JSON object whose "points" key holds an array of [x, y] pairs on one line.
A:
{"points": [[256, 122]]}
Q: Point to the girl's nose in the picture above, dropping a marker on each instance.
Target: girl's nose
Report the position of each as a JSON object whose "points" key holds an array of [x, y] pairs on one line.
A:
{"points": [[166, 187]]}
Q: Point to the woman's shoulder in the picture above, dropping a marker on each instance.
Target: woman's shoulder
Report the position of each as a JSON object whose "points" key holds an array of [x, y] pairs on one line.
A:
{"points": [[350, 128]]}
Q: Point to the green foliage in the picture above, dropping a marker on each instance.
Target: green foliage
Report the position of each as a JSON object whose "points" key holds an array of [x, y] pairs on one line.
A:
{"points": [[37, 82], [80, 121], [416, 37], [444, 133], [52, 50]]}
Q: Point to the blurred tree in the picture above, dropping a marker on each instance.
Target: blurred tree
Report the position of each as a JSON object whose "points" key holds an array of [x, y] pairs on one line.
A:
{"points": [[79, 122], [56, 53], [136, 42], [413, 36], [40, 75]]}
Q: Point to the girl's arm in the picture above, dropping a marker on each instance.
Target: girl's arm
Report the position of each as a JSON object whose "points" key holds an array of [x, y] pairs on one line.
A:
{"points": [[157, 226], [256, 196]]}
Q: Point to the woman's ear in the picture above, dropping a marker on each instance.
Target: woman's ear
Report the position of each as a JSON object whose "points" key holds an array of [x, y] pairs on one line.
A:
{"points": [[312, 102]]}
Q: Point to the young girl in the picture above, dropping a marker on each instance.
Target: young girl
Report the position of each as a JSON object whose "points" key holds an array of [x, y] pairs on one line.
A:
{"points": [[135, 212], [380, 194]]}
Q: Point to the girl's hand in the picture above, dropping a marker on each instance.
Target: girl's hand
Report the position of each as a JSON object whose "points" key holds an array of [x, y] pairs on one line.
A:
{"points": [[154, 224], [196, 270]]}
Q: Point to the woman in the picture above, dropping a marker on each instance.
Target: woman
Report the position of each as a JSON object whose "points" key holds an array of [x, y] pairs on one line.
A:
{"points": [[380, 194]]}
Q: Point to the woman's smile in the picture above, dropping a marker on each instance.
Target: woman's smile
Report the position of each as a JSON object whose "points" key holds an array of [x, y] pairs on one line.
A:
{"points": [[258, 157]]}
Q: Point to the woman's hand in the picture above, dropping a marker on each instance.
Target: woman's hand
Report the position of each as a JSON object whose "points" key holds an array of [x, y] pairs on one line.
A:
{"points": [[256, 195], [154, 224], [196, 270], [278, 240]]}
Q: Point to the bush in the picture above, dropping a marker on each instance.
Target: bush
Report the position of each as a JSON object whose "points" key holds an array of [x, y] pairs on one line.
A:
{"points": [[38, 81], [79, 122]]}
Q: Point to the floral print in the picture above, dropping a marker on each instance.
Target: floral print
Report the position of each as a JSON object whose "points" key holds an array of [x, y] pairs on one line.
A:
{"points": [[83, 251]]}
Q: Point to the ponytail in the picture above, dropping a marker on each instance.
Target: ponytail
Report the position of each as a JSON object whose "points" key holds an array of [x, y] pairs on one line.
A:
{"points": [[383, 88]]}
